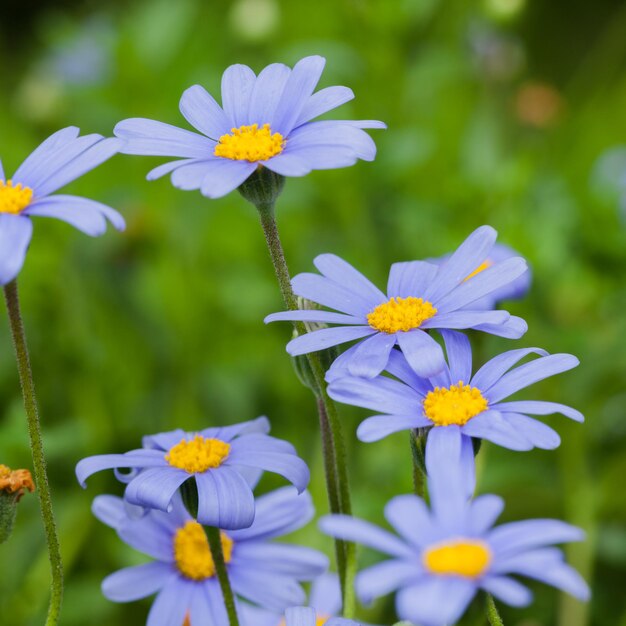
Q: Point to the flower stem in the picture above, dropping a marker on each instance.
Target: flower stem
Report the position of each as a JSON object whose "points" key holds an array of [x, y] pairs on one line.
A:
{"points": [[332, 439], [36, 445], [215, 543], [419, 464], [493, 617]]}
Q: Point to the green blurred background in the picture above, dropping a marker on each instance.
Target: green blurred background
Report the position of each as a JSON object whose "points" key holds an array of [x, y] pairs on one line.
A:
{"points": [[507, 112]]}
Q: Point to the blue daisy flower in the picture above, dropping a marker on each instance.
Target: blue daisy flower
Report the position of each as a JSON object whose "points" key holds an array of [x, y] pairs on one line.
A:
{"points": [[219, 459], [515, 290], [264, 120], [307, 616], [420, 296], [459, 405], [261, 572], [59, 160], [445, 554]]}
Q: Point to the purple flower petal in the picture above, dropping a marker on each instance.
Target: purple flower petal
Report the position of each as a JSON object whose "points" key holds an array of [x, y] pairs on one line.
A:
{"points": [[314, 315], [323, 101], [202, 111], [410, 518], [410, 278], [326, 338], [224, 176], [323, 157], [267, 92], [516, 537], [399, 367], [237, 84], [435, 601], [15, 234], [225, 499], [87, 215], [2, 175], [298, 89], [357, 530], [325, 595], [134, 583], [378, 427], [299, 562], [383, 578], [287, 164], [540, 435], [135, 458], [484, 511], [422, 352], [168, 168], [491, 372], [189, 176], [459, 356], [371, 355], [207, 607], [491, 426], [266, 589], [467, 257], [530, 373], [300, 616], [513, 328], [466, 319], [171, 605], [155, 487], [151, 138], [330, 133], [537, 407], [110, 510], [507, 590], [260, 425], [149, 536]]}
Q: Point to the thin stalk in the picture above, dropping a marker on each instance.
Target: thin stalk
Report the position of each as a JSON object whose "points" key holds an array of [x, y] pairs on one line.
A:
{"points": [[332, 439], [493, 617], [36, 446], [215, 543], [419, 482]]}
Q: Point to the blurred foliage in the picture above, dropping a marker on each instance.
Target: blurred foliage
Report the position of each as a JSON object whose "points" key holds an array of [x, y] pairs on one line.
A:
{"points": [[507, 112]]}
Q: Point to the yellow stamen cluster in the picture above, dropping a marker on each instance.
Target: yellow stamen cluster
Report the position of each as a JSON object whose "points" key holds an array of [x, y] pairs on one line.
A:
{"points": [[198, 455], [250, 143], [14, 198], [456, 404], [15, 481], [400, 314], [481, 268], [320, 620], [192, 552], [469, 558]]}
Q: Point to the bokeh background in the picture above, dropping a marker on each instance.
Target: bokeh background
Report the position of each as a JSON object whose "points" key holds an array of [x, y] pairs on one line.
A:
{"points": [[507, 112]]}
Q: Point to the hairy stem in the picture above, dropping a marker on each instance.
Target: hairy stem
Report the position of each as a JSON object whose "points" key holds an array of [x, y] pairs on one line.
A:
{"points": [[215, 543], [36, 446], [493, 617]]}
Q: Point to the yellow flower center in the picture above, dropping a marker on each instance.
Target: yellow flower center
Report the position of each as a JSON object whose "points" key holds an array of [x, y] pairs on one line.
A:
{"points": [[193, 554], [14, 198], [320, 620], [250, 143], [481, 268], [454, 405], [400, 314], [198, 455], [469, 558]]}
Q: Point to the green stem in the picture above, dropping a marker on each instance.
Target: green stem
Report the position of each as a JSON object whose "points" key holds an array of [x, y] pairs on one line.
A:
{"points": [[332, 439], [36, 445], [215, 543], [417, 454], [493, 617]]}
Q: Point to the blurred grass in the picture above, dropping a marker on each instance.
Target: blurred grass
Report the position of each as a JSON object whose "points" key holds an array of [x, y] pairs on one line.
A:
{"points": [[501, 112]]}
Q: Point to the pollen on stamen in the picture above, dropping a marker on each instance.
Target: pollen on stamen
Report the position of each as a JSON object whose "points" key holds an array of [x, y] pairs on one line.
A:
{"points": [[198, 454], [250, 143], [14, 198], [481, 268], [456, 404], [469, 558], [192, 552], [400, 314]]}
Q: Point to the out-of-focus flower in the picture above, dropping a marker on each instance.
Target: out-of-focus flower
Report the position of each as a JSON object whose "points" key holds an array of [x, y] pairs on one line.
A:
{"points": [[13, 485], [59, 160], [264, 573], [514, 290], [420, 296], [264, 120], [307, 616], [219, 459], [445, 554], [538, 104], [459, 405]]}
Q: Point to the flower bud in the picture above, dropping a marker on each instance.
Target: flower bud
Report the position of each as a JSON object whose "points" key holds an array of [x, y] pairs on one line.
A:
{"points": [[13, 484], [262, 187]]}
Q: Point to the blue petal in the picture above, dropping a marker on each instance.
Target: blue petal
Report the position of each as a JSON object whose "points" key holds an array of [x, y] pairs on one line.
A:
{"points": [[435, 601], [378, 427], [459, 353], [152, 138], [540, 435], [371, 355], [267, 92], [326, 338], [313, 315], [135, 458], [109, 510], [466, 319], [493, 370], [385, 577], [2, 175], [483, 513], [331, 134], [522, 536], [360, 531], [298, 89], [237, 84], [149, 535], [298, 562], [155, 487], [467, 257], [269, 590], [260, 425], [224, 176], [422, 352], [323, 101], [88, 216], [507, 590], [287, 164], [530, 373], [325, 595], [410, 278], [399, 367], [410, 518], [491, 426], [171, 605], [15, 234], [300, 616], [207, 607], [168, 168], [202, 111], [513, 328], [322, 157], [225, 499], [538, 407], [133, 583]]}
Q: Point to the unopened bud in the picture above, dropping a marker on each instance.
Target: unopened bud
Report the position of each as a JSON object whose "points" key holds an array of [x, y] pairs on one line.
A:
{"points": [[13, 485], [262, 187]]}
